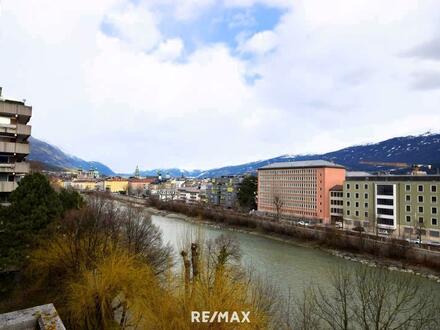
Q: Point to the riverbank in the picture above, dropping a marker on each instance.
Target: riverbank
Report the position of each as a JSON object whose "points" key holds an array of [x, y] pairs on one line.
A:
{"points": [[356, 248], [365, 259]]}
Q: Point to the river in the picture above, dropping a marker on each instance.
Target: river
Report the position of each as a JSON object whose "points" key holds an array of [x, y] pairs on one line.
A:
{"points": [[288, 266]]}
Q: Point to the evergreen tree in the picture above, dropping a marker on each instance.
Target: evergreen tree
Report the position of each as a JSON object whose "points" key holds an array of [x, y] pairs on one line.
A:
{"points": [[248, 192], [34, 205]]}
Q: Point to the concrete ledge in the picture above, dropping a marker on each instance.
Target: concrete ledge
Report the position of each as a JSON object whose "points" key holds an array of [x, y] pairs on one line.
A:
{"points": [[42, 317]]}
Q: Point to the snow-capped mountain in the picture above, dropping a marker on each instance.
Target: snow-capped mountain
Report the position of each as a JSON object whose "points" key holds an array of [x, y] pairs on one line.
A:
{"points": [[420, 149]]}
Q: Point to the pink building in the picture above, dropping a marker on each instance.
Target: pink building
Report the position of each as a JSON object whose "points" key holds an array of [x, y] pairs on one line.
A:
{"points": [[300, 189]]}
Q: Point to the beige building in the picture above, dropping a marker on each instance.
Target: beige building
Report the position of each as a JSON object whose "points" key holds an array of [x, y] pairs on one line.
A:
{"points": [[14, 145], [299, 189]]}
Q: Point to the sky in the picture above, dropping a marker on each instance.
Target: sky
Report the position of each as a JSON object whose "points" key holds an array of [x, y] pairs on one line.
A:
{"points": [[208, 83]]}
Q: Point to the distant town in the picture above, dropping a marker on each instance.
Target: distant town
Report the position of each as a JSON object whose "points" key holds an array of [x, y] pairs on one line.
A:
{"points": [[308, 192]]}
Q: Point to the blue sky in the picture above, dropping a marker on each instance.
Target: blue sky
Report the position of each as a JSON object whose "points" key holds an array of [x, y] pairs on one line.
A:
{"points": [[208, 83], [217, 24]]}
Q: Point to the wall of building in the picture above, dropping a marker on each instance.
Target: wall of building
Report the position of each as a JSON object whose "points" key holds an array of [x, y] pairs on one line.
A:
{"points": [[410, 213]]}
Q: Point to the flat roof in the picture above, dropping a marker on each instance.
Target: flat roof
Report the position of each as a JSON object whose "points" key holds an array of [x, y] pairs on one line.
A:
{"points": [[395, 178], [301, 164]]}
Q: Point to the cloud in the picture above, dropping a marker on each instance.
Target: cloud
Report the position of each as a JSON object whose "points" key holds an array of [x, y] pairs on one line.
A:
{"points": [[426, 81], [134, 25], [260, 43], [170, 49], [428, 50], [115, 81]]}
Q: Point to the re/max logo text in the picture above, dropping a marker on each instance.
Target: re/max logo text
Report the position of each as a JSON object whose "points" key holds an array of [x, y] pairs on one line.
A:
{"points": [[220, 317]]}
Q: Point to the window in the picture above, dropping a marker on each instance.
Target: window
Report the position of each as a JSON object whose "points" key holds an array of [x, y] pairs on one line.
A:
{"points": [[408, 218], [420, 199], [434, 221], [420, 209], [408, 208], [356, 195], [357, 213], [385, 211], [385, 190], [407, 187], [348, 195], [366, 186], [356, 186], [348, 203], [383, 201], [408, 198], [366, 196], [348, 186], [366, 214], [434, 199], [420, 219], [420, 188], [357, 204], [433, 188], [434, 233], [348, 212], [434, 210], [366, 205]]}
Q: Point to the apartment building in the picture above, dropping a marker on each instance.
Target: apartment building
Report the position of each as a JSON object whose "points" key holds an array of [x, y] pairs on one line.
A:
{"points": [[14, 145], [404, 206], [191, 195], [223, 191], [301, 189]]}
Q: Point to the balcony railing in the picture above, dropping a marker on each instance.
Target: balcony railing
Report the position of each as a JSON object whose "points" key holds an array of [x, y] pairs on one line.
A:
{"points": [[7, 108], [18, 129], [8, 186], [20, 167], [14, 148]]}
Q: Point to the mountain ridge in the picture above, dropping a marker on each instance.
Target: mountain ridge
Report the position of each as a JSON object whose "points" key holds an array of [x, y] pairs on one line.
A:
{"points": [[53, 156], [411, 149]]}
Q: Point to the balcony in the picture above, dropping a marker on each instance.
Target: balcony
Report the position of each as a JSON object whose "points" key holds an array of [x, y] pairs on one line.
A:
{"points": [[14, 148], [20, 167], [8, 186], [16, 109], [18, 129]]}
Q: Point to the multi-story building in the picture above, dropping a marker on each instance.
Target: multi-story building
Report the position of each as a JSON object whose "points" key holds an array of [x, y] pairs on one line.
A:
{"points": [[14, 145], [404, 206], [138, 185], [84, 184], [337, 205], [191, 195], [298, 189], [223, 191]]}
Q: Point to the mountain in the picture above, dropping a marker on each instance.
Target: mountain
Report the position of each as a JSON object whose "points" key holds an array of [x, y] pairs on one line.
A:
{"points": [[420, 149], [174, 172], [53, 157]]}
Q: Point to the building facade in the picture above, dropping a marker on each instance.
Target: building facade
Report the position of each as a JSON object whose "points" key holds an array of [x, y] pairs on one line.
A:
{"points": [[300, 189], [337, 205], [223, 191], [405, 206], [14, 145]]}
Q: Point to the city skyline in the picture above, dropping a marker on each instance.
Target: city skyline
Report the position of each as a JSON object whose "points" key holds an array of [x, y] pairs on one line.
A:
{"points": [[209, 83]]}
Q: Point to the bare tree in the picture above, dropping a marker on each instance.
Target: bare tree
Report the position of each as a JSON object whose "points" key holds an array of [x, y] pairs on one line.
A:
{"points": [[374, 298], [144, 239], [278, 203]]}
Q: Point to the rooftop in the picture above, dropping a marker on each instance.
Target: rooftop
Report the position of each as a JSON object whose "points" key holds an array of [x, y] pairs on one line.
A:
{"points": [[357, 174], [301, 164], [391, 178], [338, 187]]}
